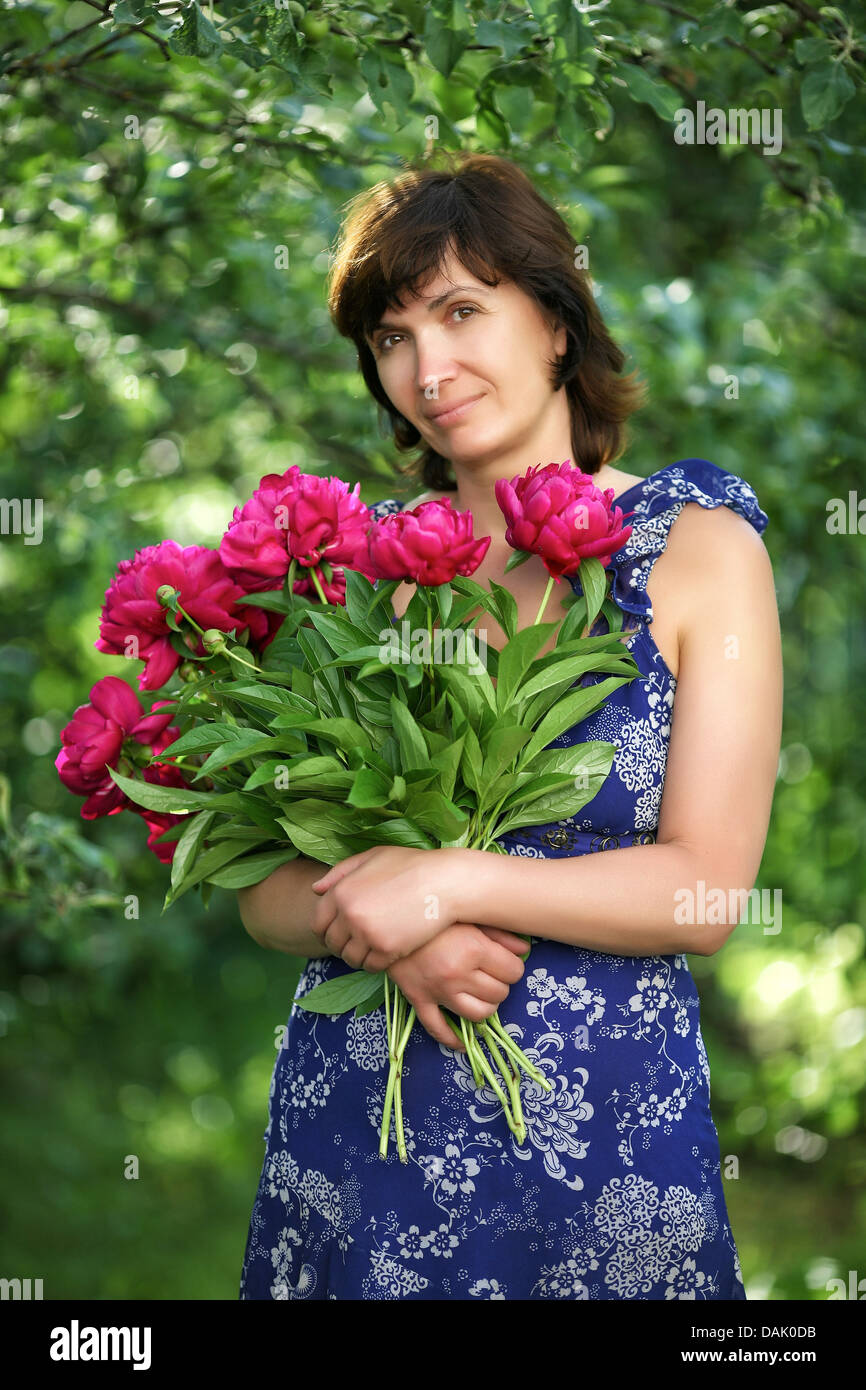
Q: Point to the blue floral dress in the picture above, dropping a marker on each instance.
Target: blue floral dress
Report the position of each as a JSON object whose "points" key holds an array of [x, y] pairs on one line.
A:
{"points": [[616, 1192]]}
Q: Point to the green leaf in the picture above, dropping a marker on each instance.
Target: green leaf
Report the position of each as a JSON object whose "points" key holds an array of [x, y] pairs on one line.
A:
{"points": [[446, 762], [447, 33], [722, 23], [374, 1002], [360, 596], [131, 12], [501, 748], [472, 762], [341, 635], [252, 869], [444, 599], [436, 815], [515, 659], [319, 828], [825, 90], [343, 993], [506, 608], [369, 788], [211, 860], [274, 600], [571, 668], [517, 557], [254, 58], [399, 831], [387, 81], [413, 748], [283, 40], [154, 797], [592, 577], [664, 99], [344, 733], [197, 36], [571, 710], [256, 695], [189, 844], [201, 738], [510, 38], [814, 50]]}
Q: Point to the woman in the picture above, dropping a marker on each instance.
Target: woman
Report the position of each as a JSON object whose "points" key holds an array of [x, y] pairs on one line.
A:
{"points": [[482, 340]]}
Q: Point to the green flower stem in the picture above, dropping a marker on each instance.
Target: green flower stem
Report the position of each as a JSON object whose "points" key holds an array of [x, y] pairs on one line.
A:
{"points": [[233, 656], [409, 1020], [192, 622], [547, 592], [389, 1092], [386, 980], [406, 1031], [318, 587], [429, 668], [510, 1046], [473, 1052], [386, 1112], [495, 1086], [398, 1113], [511, 1080], [466, 1032]]}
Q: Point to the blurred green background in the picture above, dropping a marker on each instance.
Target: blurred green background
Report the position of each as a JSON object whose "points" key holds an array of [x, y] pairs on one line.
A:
{"points": [[172, 181]]}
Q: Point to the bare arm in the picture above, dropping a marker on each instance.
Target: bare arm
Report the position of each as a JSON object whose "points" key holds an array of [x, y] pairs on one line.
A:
{"points": [[718, 791], [277, 912]]}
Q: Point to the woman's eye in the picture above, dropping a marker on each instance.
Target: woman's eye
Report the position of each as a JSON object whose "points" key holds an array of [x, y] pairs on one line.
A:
{"points": [[382, 344]]}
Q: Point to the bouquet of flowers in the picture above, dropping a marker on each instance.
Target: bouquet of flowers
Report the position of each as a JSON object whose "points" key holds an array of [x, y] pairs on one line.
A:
{"points": [[300, 720]]}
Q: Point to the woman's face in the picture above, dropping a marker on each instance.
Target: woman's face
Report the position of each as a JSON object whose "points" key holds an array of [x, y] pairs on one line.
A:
{"points": [[463, 341]]}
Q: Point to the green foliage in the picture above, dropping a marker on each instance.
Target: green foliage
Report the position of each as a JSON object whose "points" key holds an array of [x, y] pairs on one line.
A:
{"points": [[168, 207]]}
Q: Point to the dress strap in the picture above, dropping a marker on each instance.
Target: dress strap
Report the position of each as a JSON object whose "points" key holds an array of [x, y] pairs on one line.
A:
{"points": [[652, 506]]}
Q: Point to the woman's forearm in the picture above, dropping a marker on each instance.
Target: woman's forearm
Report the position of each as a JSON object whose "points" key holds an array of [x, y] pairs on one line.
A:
{"points": [[622, 901], [278, 911]]}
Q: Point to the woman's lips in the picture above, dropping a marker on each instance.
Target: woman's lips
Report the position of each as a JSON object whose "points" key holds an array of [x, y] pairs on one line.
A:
{"points": [[451, 417]]}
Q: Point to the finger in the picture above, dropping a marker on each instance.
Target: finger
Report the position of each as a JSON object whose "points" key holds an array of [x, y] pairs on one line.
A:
{"points": [[433, 1020], [338, 871], [489, 988], [470, 1007], [355, 954], [377, 961], [507, 938], [502, 965], [335, 937]]}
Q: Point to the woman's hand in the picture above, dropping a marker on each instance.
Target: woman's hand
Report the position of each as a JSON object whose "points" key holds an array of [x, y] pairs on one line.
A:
{"points": [[469, 969], [384, 903]]}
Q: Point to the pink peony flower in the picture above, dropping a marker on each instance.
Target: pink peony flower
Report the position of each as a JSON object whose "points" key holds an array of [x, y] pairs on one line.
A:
{"points": [[296, 516], [207, 592], [157, 821], [429, 544], [93, 740], [557, 512]]}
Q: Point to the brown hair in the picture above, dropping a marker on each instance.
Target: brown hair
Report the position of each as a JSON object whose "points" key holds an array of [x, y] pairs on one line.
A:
{"points": [[486, 211]]}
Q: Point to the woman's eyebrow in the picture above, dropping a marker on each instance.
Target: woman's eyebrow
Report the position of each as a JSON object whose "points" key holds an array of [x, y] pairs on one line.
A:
{"points": [[434, 304]]}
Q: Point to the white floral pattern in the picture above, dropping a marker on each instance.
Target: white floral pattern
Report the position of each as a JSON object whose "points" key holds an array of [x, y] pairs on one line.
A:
{"points": [[616, 1192]]}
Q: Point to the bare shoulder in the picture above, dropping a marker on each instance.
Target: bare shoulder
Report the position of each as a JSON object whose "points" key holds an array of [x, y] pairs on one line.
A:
{"points": [[714, 554], [722, 529], [626, 481]]}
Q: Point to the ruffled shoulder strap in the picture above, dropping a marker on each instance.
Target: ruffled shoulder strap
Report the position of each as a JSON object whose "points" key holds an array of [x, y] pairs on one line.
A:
{"points": [[652, 506]]}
